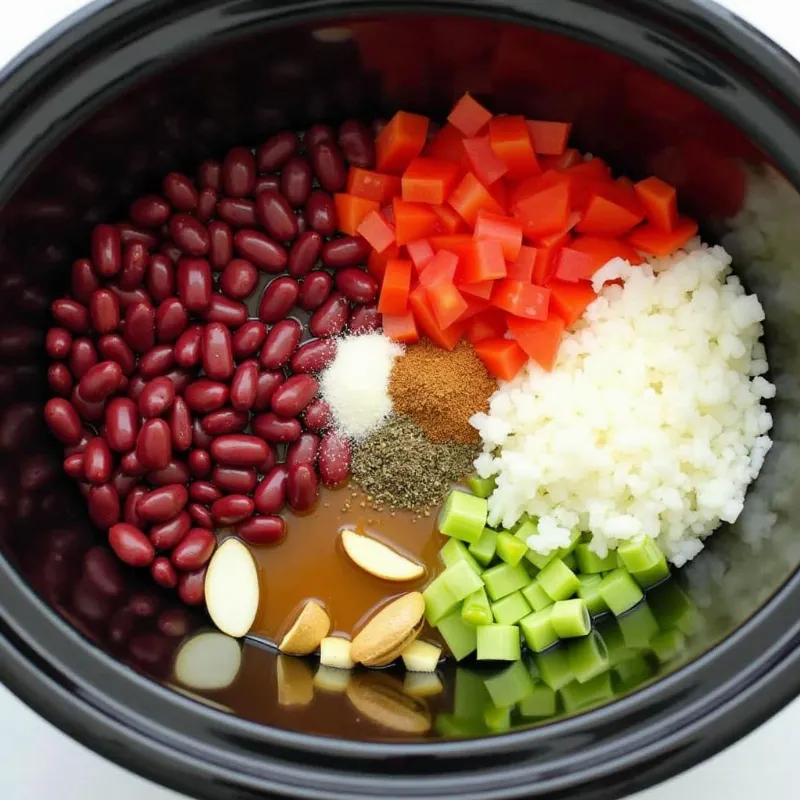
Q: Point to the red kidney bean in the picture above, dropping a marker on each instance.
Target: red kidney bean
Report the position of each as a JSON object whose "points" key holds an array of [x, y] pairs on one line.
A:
{"points": [[194, 550], [321, 213], [236, 480], [365, 319], [174, 472], [89, 603], [201, 515], [134, 266], [82, 357], [270, 495], [317, 415], [122, 424], [139, 329], [180, 425], [269, 462], [280, 343], [268, 382], [102, 569], [143, 604], [303, 451], [103, 505], [349, 251], [163, 504], [356, 285], [217, 351], [279, 299], [318, 133], [70, 314], [59, 379], [244, 386], [205, 395], [221, 244], [191, 587], [238, 172], [106, 249], [127, 299], [194, 283], [189, 234], [97, 461], [156, 361], [209, 175], [199, 437], [296, 181], [357, 144], [204, 492], [224, 421], [180, 379], [163, 573], [112, 347], [154, 444], [261, 530], [293, 395], [80, 445], [73, 466], [276, 151], [160, 278], [265, 183], [128, 234], [173, 622], [275, 429], [180, 191], [131, 465], [58, 342], [232, 509], [330, 318], [84, 280], [239, 450], [315, 290], [249, 338], [166, 535], [237, 212], [129, 514], [90, 411], [334, 459], [171, 320], [329, 166], [206, 204], [100, 381], [261, 250], [304, 254], [150, 211], [156, 398], [302, 487], [131, 545], [302, 225], [275, 214], [238, 279], [232, 313], [313, 356], [188, 347], [123, 483], [199, 463]]}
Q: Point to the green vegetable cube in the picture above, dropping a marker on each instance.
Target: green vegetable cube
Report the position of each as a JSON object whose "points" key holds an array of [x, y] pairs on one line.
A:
{"points": [[668, 645], [459, 636], [482, 487], [463, 516], [570, 618], [461, 580], [439, 600], [476, 609], [455, 551], [554, 667], [498, 643], [540, 702], [510, 549], [639, 554], [505, 579], [588, 657], [511, 609], [558, 580], [576, 696], [620, 591], [484, 549], [632, 672], [510, 686], [589, 592], [497, 719], [470, 696], [536, 596], [590, 563], [652, 575], [638, 626], [537, 628]]}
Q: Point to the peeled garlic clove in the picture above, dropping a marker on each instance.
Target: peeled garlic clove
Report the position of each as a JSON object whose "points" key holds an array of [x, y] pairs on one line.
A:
{"points": [[208, 661], [231, 588], [379, 559], [309, 629]]}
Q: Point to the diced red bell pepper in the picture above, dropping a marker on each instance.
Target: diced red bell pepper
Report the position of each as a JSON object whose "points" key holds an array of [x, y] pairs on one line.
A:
{"points": [[376, 264], [449, 220], [539, 339], [549, 138], [420, 252], [427, 180], [401, 140], [569, 158], [441, 267], [503, 358], [523, 189], [562, 236], [484, 263], [660, 203], [483, 161], [545, 266], [427, 324], [469, 116], [402, 328], [412, 220], [481, 289], [471, 196], [446, 145], [544, 212], [522, 268], [521, 299], [446, 301], [612, 210], [511, 140], [499, 192], [371, 185], [475, 306], [586, 254], [377, 231], [458, 243], [388, 212], [505, 230], [650, 239], [488, 324], [351, 210], [594, 169], [570, 300], [395, 287]]}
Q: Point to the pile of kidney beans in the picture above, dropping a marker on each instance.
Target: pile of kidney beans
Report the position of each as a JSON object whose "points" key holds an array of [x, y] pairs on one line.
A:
{"points": [[174, 403]]}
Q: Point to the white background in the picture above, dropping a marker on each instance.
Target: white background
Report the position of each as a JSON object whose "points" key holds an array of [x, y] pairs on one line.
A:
{"points": [[37, 762]]}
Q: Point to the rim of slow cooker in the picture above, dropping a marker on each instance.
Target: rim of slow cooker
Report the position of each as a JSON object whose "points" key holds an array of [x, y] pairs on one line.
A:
{"points": [[635, 741]]}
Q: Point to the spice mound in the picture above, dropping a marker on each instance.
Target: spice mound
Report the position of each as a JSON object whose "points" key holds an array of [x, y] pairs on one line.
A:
{"points": [[441, 390], [400, 467]]}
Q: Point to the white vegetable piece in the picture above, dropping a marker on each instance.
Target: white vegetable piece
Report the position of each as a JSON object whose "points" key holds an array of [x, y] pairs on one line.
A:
{"points": [[422, 684], [379, 559], [421, 656], [332, 679], [334, 651], [231, 588], [208, 661]]}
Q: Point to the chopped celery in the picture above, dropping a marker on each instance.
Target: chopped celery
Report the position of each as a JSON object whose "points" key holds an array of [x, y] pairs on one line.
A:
{"points": [[639, 554], [463, 516], [558, 580], [588, 657], [668, 645], [536, 596], [537, 628], [554, 667], [570, 560], [511, 609], [525, 528], [540, 702], [576, 696], [541, 561], [504, 579], [620, 591], [589, 592], [439, 600], [497, 719], [450, 725], [470, 695], [510, 549], [498, 643], [459, 636], [654, 575], [638, 627], [461, 580], [482, 487], [484, 549], [632, 672], [455, 551], [570, 618], [508, 687], [616, 648], [476, 609], [590, 563]]}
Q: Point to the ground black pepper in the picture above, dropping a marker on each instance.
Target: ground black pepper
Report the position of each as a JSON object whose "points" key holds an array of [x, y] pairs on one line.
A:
{"points": [[400, 467]]}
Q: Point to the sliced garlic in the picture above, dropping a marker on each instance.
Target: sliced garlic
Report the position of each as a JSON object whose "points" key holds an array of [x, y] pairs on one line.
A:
{"points": [[390, 631], [379, 559], [208, 661], [231, 588]]}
